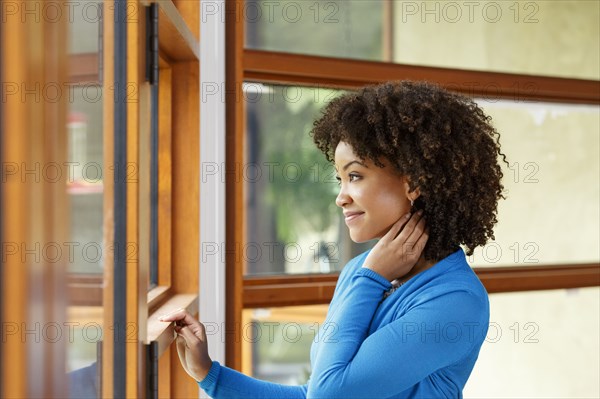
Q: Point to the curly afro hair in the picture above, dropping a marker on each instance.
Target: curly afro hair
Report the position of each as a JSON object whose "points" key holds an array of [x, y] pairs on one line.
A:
{"points": [[442, 141]]}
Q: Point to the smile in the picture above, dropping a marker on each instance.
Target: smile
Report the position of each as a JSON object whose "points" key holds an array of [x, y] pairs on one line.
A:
{"points": [[350, 217]]}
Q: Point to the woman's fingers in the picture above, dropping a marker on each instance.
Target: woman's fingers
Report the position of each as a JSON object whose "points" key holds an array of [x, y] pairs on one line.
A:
{"points": [[410, 227], [420, 245], [416, 232], [396, 227], [181, 316], [191, 338]]}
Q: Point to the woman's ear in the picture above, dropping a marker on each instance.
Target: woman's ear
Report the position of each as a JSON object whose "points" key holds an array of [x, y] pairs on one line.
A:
{"points": [[411, 195]]}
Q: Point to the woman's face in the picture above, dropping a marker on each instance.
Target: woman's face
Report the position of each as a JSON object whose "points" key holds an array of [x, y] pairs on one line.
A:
{"points": [[372, 198]]}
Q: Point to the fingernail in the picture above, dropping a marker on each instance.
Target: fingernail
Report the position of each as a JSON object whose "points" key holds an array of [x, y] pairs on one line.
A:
{"points": [[420, 212], [407, 216]]}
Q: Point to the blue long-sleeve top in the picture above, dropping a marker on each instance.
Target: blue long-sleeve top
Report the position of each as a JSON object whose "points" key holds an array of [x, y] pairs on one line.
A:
{"points": [[421, 341]]}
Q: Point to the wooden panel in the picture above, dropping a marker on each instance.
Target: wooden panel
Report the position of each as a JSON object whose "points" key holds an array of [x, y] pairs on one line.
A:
{"points": [[176, 40], [247, 366], [164, 177], [138, 199], [190, 12], [234, 130], [283, 68], [15, 211], [85, 289], [186, 177], [509, 279], [185, 200], [108, 200], [83, 68], [304, 290], [291, 279]]}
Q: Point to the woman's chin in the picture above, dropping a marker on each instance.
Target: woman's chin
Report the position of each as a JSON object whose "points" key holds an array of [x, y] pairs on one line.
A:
{"points": [[359, 237]]}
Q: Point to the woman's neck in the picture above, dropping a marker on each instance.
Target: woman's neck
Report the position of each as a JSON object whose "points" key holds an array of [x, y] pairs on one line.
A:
{"points": [[421, 265]]}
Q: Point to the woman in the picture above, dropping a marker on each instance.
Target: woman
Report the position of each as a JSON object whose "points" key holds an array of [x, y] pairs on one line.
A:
{"points": [[409, 316]]}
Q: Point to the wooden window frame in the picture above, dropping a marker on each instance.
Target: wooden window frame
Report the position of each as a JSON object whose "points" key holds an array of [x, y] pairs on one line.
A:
{"points": [[178, 186], [34, 51], [306, 70]]}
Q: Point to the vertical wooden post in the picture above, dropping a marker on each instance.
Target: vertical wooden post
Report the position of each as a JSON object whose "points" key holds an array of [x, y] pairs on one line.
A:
{"points": [[34, 201], [235, 235]]}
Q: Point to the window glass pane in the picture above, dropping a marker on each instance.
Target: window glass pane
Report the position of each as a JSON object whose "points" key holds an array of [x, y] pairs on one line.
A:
{"points": [[500, 36], [84, 26], [554, 170], [348, 28], [503, 36], [276, 342], [85, 185], [293, 223], [85, 177], [277, 345], [552, 185], [549, 348]]}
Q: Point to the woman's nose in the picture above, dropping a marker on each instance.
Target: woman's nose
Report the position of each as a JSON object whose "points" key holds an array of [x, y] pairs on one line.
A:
{"points": [[342, 198]]}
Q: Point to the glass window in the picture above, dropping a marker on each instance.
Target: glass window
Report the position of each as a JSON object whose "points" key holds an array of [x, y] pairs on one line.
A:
{"points": [[85, 178], [499, 36], [277, 342], [551, 212], [348, 28], [84, 23], [293, 223], [277, 345], [539, 345], [502, 36]]}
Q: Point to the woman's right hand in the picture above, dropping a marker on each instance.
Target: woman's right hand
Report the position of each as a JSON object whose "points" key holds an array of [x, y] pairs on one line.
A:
{"points": [[192, 346], [399, 250]]}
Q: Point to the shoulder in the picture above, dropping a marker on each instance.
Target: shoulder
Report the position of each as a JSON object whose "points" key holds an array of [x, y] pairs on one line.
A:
{"points": [[451, 285], [351, 267]]}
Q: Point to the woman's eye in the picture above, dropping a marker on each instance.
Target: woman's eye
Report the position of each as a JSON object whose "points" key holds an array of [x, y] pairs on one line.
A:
{"points": [[353, 177], [339, 180]]}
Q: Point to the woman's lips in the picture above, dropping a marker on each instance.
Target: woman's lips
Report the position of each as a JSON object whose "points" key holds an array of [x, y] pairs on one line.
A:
{"points": [[352, 216]]}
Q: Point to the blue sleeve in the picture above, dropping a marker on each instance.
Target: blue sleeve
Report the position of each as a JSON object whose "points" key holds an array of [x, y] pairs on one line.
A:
{"points": [[431, 335], [225, 383]]}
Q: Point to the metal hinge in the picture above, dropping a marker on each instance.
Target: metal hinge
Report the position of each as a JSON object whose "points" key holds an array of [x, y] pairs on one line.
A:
{"points": [[152, 43]]}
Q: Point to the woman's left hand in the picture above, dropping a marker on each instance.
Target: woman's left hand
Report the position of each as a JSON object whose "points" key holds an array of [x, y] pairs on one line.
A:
{"points": [[400, 248]]}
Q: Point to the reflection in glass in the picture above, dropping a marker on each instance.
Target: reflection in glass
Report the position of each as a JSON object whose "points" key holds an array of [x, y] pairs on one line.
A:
{"points": [[85, 178], [293, 223]]}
